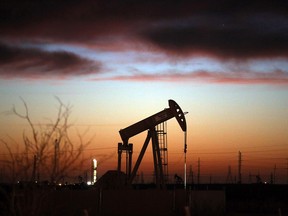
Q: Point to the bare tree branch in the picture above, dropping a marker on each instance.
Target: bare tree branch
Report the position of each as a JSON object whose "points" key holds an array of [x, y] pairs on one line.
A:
{"points": [[50, 152]]}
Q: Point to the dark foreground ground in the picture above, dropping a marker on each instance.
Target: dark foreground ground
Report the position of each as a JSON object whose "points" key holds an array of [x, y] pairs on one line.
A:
{"points": [[210, 199]]}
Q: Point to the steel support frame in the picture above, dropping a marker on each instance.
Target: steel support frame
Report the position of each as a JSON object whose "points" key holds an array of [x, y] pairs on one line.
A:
{"points": [[151, 135]]}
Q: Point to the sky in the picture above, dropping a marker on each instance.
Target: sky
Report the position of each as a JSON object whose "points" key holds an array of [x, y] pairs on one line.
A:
{"points": [[118, 62]]}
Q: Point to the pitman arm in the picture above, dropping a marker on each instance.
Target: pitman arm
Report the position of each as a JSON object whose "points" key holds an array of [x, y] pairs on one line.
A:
{"points": [[174, 110]]}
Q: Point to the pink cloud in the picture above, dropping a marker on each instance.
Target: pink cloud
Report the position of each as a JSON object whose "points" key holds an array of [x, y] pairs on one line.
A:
{"points": [[277, 77]]}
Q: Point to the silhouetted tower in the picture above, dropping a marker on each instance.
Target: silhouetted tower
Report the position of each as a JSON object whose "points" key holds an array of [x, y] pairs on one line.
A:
{"points": [[94, 171], [239, 168], [198, 173], [229, 179], [161, 130]]}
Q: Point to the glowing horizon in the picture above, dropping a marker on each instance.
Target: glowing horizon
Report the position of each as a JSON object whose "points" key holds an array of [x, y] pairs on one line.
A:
{"points": [[215, 157], [117, 63]]}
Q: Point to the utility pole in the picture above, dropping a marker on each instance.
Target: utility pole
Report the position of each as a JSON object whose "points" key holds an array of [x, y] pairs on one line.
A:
{"points": [[198, 173], [239, 167]]}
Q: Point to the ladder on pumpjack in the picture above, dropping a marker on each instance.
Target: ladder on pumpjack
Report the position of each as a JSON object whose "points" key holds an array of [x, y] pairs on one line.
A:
{"points": [[161, 130]]}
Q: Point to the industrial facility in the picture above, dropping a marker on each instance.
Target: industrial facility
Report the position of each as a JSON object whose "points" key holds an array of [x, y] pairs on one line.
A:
{"points": [[155, 125]]}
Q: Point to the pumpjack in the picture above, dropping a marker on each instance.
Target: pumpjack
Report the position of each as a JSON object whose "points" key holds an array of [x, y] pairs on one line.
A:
{"points": [[148, 124]]}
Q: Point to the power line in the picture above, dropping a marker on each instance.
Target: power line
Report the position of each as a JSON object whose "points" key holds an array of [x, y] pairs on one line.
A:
{"points": [[52, 152]]}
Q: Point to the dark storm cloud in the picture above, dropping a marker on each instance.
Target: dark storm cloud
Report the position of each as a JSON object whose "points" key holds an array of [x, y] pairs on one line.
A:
{"points": [[223, 30], [224, 36], [246, 29], [34, 63], [78, 19]]}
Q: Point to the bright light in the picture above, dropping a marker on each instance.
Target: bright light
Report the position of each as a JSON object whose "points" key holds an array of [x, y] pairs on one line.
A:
{"points": [[94, 171], [89, 182], [94, 163]]}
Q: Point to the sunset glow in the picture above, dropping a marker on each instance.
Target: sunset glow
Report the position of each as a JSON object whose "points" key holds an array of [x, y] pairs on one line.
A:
{"points": [[118, 62]]}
